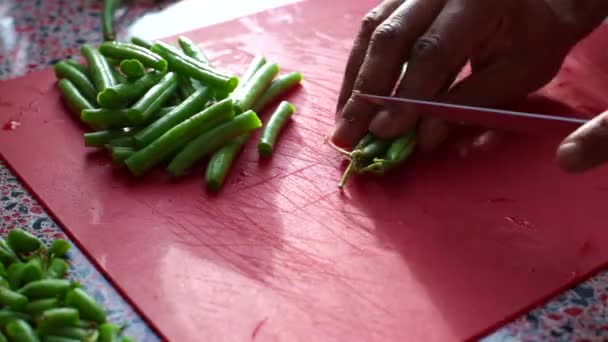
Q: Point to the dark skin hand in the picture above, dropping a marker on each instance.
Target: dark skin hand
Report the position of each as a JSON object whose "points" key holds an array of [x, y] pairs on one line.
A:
{"points": [[515, 47]]}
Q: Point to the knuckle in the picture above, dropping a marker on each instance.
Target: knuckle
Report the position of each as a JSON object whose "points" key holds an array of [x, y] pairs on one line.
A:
{"points": [[385, 34], [370, 22], [428, 47]]}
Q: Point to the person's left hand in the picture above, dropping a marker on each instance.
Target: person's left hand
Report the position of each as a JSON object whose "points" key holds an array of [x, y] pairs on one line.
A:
{"points": [[587, 147]]}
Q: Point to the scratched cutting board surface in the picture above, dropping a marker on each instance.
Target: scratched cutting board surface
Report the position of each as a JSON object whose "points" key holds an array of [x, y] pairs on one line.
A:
{"points": [[447, 248]]}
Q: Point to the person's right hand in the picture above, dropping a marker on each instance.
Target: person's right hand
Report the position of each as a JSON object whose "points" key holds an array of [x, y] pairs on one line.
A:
{"points": [[514, 46], [587, 147]]}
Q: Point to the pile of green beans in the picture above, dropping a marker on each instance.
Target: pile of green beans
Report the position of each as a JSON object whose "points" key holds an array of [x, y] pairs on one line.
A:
{"points": [[153, 103], [376, 156], [38, 303]]}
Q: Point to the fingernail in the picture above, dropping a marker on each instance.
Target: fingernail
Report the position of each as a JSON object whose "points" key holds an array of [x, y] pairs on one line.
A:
{"points": [[434, 132], [387, 125], [378, 123], [570, 157]]}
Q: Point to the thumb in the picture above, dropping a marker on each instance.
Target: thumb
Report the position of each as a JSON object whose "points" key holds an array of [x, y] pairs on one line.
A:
{"points": [[587, 147]]}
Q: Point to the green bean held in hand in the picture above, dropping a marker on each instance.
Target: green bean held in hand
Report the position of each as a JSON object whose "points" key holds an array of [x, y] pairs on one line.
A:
{"points": [[220, 162], [192, 105], [273, 128], [211, 140], [277, 88], [73, 98], [153, 100], [255, 87], [168, 143], [132, 69], [125, 51], [188, 66], [399, 151], [101, 71], [191, 49], [77, 78]]}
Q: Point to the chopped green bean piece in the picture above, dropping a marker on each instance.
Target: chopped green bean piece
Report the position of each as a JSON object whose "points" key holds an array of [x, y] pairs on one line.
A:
{"points": [[277, 88], [246, 97], [273, 128], [101, 71], [77, 78], [127, 51], [153, 100], [132, 69], [221, 161]]}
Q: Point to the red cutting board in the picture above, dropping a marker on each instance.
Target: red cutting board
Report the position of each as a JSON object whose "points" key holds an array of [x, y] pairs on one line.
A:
{"points": [[445, 249]]}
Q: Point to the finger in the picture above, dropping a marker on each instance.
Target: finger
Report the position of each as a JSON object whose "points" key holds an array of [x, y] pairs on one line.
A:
{"points": [[359, 49], [436, 58], [388, 48], [587, 147]]}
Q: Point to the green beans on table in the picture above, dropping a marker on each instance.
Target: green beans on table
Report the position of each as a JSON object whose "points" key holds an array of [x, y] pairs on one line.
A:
{"points": [[59, 317], [7, 315], [78, 79], [108, 118], [12, 299], [59, 248], [192, 105], [7, 256], [36, 307], [75, 101], [185, 88], [246, 97], [126, 51], [221, 161], [277, 88], [101, 138], [108, 332], [107, 19], [168, 143], [21, 241], [79, 334], [87, 306], [52, 338], [191, 49], [46, 288], [101, 71], [32, 270], [211, 140], [57, 269], [82, 68], [188, 66], [153, 100], [15, 271], [121, 153], [123, 94], [132, 69], [256, 63], [273, 128], [141, 42], [20, 330]]}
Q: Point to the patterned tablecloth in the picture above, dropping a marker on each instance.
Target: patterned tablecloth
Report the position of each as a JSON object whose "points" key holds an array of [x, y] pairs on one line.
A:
{"points": [[36, 33]]}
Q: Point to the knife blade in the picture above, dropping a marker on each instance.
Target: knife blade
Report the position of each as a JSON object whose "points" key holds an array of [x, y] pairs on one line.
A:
{"points": [[477, 116]]}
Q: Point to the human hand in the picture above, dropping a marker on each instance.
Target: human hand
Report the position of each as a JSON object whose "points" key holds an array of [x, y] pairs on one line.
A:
{"points": [[587, 147], [514, 47]]}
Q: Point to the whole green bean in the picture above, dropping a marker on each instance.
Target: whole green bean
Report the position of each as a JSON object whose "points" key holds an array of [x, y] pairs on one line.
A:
{"points": [[108, 332], [141, 42], [20, 330], [123, 94], [15, 270], [7, 256], [58, 317], [221, 161], [155, 97], [78, 79], [75, 101], [256, 63], [46, 288], [192, 105], [126, 51], [193, 68], [79, 334], [273, 128], [185, 88], [246, 97], [211, 140], [101, 71], [277, 88], [57, 269], [108, 118], [100, 138], [21, 241], [87, 306], [59, 248], [82, 68], [107, 19], [14, 300], [132, 69], [32, 270], [120, 154], [176, 137], [38, 306], [191, 49]]}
